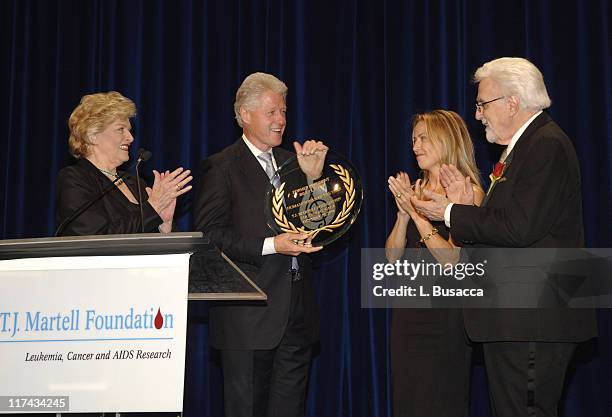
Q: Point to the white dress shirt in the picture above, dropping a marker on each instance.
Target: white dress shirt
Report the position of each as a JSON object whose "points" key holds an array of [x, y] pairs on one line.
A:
{"points": [[268, 246]]}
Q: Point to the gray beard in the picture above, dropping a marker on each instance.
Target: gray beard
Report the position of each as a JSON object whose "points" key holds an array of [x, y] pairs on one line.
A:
{"points": [[490, 135]]}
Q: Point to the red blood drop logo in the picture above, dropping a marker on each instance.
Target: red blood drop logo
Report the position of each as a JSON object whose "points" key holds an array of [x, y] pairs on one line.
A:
{"points": [[159, 320]]}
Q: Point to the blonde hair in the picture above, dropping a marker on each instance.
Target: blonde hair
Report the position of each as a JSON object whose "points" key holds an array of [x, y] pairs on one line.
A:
{"points": [[95, 113], [252, 88], [448, 130]]}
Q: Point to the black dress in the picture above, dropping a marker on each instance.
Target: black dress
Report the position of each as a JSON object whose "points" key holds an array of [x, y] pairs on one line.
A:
{"points": [[430, 356], [80, 183]]}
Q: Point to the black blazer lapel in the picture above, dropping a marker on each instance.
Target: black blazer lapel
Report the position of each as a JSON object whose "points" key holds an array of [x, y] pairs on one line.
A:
{"points": [[251, 171], [533, 127]]}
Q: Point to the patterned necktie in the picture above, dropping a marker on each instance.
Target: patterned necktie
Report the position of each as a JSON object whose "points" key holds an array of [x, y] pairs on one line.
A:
{"points": [[266, 157]]}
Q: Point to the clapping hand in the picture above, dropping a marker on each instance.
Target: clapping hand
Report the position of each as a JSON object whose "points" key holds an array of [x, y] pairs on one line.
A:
{"points": [[458, 189], [311, 157], [402, 191], [167, 186], [433, 208]]}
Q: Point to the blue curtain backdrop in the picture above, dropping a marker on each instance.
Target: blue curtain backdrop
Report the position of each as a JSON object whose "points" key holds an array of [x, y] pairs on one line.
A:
{"points": [[356, 71]]}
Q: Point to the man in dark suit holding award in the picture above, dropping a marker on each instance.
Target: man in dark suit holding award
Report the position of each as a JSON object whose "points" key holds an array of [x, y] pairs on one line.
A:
{"points": [[265, 347], [534, 202]]}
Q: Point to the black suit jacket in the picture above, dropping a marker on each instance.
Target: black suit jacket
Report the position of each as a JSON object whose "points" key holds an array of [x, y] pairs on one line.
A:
{"points": [[229, 209], [113, 214], [539, 205]]}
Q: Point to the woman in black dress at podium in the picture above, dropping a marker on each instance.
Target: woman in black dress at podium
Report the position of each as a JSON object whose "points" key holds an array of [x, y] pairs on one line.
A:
{"points": [[430, 353], [100, 140]]}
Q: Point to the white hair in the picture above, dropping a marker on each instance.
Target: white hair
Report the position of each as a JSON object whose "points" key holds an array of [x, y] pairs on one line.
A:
{"points": [[252, 88], [517, 77]]}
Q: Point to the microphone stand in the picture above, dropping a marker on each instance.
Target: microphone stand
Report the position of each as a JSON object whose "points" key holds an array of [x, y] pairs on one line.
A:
{"points": [[140, 153]]}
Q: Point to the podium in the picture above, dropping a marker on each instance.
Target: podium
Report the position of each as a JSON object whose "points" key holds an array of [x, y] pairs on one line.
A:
{"points": [[98, 323], [212, 275]]}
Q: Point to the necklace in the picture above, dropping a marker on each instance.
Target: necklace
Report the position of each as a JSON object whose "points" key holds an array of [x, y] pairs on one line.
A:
{"points": [[112, 175]]}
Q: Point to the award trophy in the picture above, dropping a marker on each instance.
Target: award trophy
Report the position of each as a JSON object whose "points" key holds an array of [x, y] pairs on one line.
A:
{"points": [[324, 207]]}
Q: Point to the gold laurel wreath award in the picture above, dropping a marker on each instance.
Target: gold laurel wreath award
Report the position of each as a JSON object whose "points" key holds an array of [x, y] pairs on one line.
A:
{"points": [[278, 208]]}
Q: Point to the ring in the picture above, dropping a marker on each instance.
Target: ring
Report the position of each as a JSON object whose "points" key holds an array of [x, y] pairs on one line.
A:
{"points": [[178, 187], [398, 195]]}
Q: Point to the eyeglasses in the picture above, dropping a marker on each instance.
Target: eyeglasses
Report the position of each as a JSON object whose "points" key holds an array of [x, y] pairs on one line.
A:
{"points": [[480, 106]]}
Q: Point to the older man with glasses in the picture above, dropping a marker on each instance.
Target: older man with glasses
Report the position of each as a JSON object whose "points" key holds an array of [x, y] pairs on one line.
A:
{"points": [[537, 205]]}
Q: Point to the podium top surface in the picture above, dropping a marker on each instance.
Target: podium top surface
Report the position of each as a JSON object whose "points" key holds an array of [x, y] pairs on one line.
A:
{"points": [[104, 245], [212, 275]]}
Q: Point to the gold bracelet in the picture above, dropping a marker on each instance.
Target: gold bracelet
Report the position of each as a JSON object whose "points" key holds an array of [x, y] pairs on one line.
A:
{"points": [[429, 235]]}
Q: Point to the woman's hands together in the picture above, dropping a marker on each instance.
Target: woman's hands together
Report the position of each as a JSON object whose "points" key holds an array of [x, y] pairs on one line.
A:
{"points": [[402, 190]]}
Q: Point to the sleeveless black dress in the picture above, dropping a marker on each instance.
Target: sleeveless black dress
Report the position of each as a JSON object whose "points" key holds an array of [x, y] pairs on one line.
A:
{"points": [[430, 356]]}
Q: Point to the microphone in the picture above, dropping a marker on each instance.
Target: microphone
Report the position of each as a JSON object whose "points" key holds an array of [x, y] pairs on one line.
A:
{"points": [[142, 156]]}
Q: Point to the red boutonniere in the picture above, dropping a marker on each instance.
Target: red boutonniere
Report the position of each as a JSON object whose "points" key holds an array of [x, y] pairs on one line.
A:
{"points": [[497, 175], [498, 171]]}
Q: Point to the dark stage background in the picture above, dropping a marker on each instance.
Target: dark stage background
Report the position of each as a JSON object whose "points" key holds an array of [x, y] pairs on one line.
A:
{"points": [[356, 71]]}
